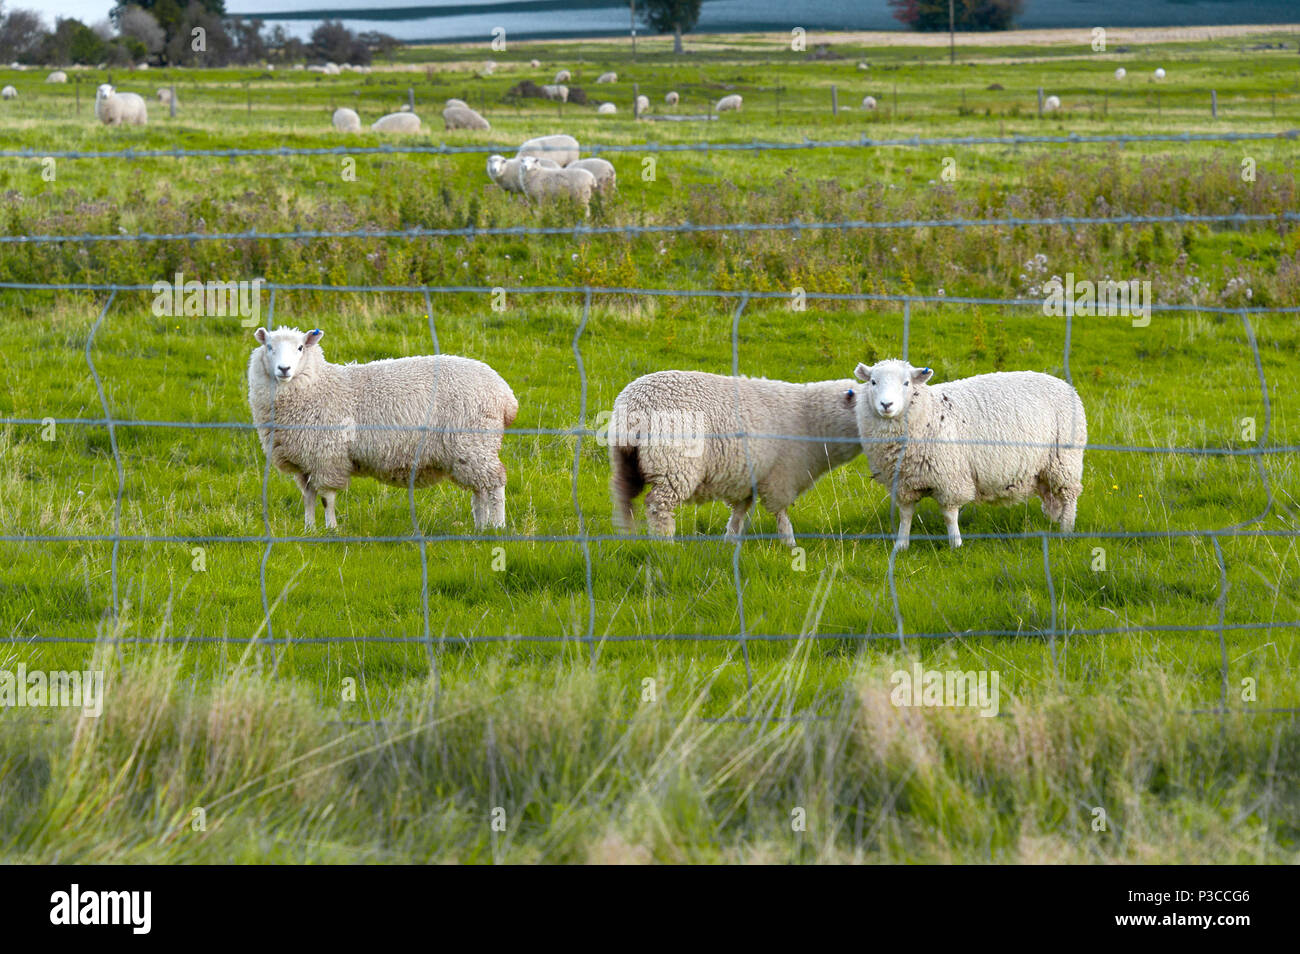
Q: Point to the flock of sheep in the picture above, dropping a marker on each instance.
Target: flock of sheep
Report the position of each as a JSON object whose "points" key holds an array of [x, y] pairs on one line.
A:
{"points": [[687, 436]]}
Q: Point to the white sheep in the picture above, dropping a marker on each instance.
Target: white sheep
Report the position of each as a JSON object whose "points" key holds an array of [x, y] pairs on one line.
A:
{"points": [[489, 67], [8, 93], [332, 69], [58, 76], [404, 108], [542, 183], [456, 102], [601, 169], [642, 105], [692, 436], [114, 109], [607, 78], [562, 77], [397, 123], [165, 96], [868, 102], [560, 148], [1120, 73], [994, 438], [730, 103], [535, 64], [1051, 104], [508, 173], [606, 109], [323, 423], [558, 93], [1160, 72], [672, 99], [347, 120], [462, 117]]}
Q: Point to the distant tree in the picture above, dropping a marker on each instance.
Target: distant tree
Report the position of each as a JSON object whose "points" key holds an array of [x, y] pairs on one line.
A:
{"points": [[217, 46], [137, 23], [72, 42], [380, 44], [679, 16], [22, 35], [249, 43], [285, 48], [332, 42], [175, 17], [968, 15]]}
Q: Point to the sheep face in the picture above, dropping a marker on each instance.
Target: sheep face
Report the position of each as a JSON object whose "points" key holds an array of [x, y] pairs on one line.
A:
{"points": [[287, 352], [889, 386], [104, 91], [495, 167]]}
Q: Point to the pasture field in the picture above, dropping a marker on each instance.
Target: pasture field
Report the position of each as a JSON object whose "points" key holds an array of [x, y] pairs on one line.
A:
{"points": [[595, 689]]}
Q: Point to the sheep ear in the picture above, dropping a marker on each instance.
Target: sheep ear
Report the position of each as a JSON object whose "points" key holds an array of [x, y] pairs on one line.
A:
{"points": [[921, 375], [313, 337], [862, 373], [260, 335]]}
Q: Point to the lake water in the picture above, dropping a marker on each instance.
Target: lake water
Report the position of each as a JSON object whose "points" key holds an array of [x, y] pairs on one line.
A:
{"points": [[535, 19]]}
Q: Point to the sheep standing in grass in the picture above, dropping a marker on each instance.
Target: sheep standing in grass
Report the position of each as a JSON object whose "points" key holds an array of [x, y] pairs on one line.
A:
{"points": [[607, 78], [559, 94], [543, 184], [606, 109], [1120, 73], [456, 102], [560, 149], [1051, 104], [347, 120], [397, 123], [672, 99], [461, 117], [868, 102], [8, 93], [115, 109], [601, 169], [165, 96], [508, 173], [730, 103], [1160, 72], [58, 76], [440, 415], [562, 77], [642, 105], [672, 431], [995, 438]]}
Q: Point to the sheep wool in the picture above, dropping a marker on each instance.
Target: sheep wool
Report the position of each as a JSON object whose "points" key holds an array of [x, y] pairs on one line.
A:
{"points": [[601, 169], [672, 431], [457, 102], [558, 93], [672, 99], [991, 438], [1051, 104], [439, 416], [58, 76], [730, 103], [508, 173], [606, 109], [347, 120], [642, 104], [868, 102], [559, 148], [460, 117], [397, 123], [8, 93], [115, 109], [1120, 73], [564, 76], [607, 78], [165, 96], [543, 184]]}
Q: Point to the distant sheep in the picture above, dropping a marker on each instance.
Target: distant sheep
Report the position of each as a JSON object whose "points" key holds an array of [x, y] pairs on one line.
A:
{"points": [[456, 102], [8, 93], [165, 96], [559, 94], [1160, 72], [607, 78], [489, 67], [508, 173], [462, 117], [673, 432], [1051, 104], [543, 184], [115, 109], [561, 149], [868, 102], [601, 169], [730, 103], [397, 123], [642, 105], [58, 76], [442, 416], [535, 64], [1120, 73], [346, 120], [994, 438], [672, 99], [606, 109], [564, 76]]}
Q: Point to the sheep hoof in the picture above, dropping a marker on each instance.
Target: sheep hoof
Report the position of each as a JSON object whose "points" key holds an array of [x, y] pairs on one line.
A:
{"points": [[954, 542]]}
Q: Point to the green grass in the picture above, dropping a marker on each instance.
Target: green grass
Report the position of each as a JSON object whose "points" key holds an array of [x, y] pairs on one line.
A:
{"points": [[559, 732]]}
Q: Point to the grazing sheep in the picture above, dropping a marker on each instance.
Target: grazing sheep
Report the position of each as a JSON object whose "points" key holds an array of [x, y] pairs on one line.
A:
{"points": [[730, 103], [601, 169], [542, 184], [456, 102], [535, 64], [558, 93], [142, 66], [607, 78], [562, 77], [672, 99], [868, 102], [462, 117], [372, 420], [642, 105], [165, 96], [332, 69], [606, 109], [994, 438], [559, 148], [9, 93], [1120, 73], [115, 109], [508, 173], [1160, 72], [1051, 104], [404, 108], [397, 123], [347, 120], [58, 76], [673, 431]]}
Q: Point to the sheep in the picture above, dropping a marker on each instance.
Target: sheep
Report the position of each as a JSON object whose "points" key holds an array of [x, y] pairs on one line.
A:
{"points": [[461, 117], [1120, 73], [672, 99], [601, 169], [685, 434], [535, 64], [114, 109], [868, 102], [332, 69], [165, 96], [541, 183], [404, 108], [1160, 72], [606, 109], [556, 92], [642, 105], [456, 102], [373, 420], [507, 173], [9, 93], [562, 77], [346, 120], [730, 103], [607, 78], [397, 123], [489, 67], [991, 438], [559, 148], [58, 76], [1051, 104]]}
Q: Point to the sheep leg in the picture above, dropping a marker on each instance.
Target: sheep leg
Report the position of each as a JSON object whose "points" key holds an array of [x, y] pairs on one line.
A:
{"points": [[489, 507], [331, 520], [905, 511], [659, 506], [308, 500], [954, 532], [1071, 506], [783, 527], [736, 525]]}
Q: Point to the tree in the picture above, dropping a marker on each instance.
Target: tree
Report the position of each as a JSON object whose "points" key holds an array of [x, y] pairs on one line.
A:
{"points": [[137, 23], [72, 42], [970, 15], [22, 34], [680, 16], [177, 18], [332, 42]]}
